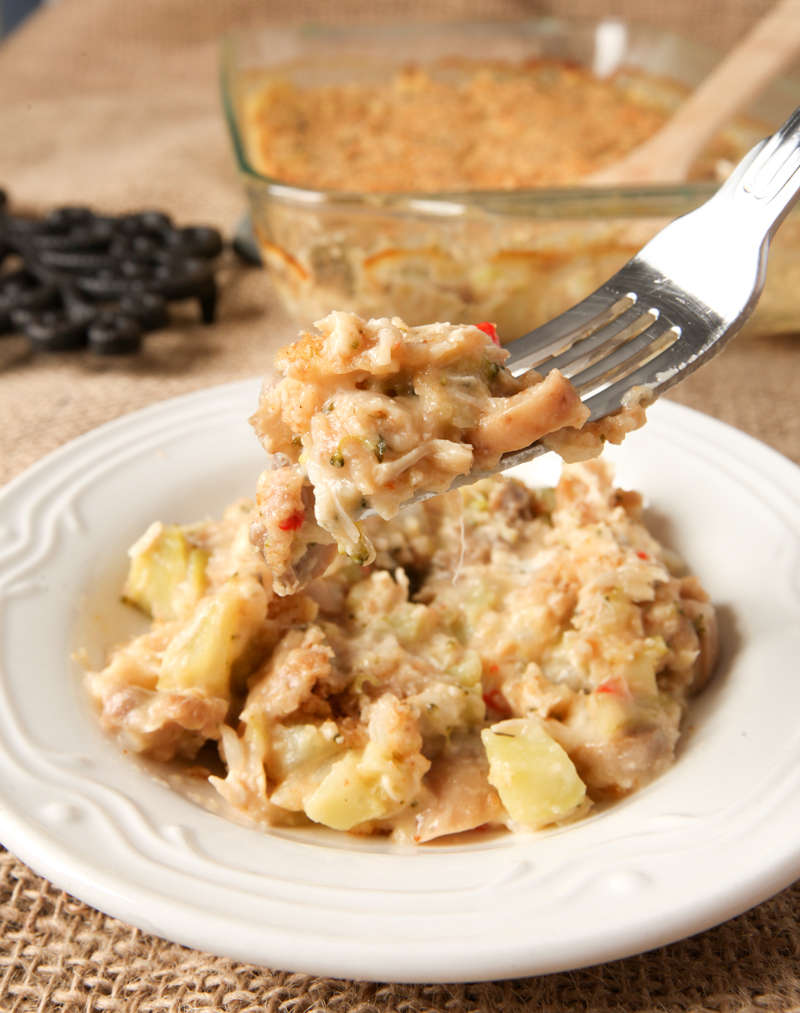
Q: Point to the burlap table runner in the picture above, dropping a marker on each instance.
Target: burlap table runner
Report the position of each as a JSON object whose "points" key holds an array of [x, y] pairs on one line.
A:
{"points": [[114, 105]]}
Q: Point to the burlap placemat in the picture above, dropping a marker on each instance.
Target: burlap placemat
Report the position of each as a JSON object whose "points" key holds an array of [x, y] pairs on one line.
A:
{"points": [[114, 105]]}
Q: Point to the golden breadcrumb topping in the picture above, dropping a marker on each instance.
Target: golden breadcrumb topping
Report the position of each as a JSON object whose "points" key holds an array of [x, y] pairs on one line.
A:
{"points": [[501, 127]]}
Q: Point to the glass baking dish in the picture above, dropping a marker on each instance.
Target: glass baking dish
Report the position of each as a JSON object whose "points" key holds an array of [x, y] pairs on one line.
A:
{"points": [[518, 257]]}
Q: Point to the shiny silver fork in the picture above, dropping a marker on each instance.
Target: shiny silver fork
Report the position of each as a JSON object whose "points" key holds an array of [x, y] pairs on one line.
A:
{"points": [[679, 301]]}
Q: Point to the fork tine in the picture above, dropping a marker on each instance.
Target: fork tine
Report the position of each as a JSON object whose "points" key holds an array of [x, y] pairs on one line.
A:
{"points": [[564, 343], [624, 369], [658, 363], [558, 336], [619, 355], [609, 344]]}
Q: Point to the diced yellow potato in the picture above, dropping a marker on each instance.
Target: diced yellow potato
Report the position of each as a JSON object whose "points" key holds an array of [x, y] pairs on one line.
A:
{"points": [[611, 713], [364, 785], [300, 757], [468, 671], [346, 798], [166, 578], [201, 656], [295, 746], [536, 780]]}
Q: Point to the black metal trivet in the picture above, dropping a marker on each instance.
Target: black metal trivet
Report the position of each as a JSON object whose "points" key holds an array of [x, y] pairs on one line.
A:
{"points": [[98, 280]]}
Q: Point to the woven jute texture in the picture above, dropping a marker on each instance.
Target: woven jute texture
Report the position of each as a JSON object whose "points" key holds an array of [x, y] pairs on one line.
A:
{"points": [[114, 104]]}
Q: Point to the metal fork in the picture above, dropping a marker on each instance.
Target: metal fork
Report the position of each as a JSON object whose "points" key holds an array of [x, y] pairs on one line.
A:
{"points": [[679, 301]]}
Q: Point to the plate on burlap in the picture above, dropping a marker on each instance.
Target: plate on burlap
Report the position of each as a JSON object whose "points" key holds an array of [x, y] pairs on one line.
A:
{"points": [[715, 835]]}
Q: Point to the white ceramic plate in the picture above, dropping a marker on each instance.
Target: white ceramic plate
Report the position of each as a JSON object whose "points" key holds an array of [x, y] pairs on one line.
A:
{"points": [[714, 836]]}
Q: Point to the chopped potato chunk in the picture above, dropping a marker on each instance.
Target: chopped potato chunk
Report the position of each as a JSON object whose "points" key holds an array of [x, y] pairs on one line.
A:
{"points": [[536, 779], [202, 655], [167, 575]]}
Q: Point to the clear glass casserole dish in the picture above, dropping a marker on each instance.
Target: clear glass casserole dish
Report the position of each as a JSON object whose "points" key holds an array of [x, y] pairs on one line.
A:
{"points": [[515, 257]]}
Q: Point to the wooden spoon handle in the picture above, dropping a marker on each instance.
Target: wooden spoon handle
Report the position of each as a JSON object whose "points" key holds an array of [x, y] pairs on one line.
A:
{"points": [[749, 66]]}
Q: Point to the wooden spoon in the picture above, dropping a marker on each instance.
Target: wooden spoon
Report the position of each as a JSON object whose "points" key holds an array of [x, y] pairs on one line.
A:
{"points": [[749, 66]]}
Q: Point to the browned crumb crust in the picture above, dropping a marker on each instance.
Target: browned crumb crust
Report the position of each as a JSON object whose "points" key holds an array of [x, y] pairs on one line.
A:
{"points": [[499, 127]]}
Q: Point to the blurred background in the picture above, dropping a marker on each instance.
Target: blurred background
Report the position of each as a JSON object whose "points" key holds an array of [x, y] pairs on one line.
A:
{"points": [[116, 106], [714, 21]]}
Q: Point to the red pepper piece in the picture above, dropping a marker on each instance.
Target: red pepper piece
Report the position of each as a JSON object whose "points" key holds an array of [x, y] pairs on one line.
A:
{"points": [[490, 329], [616, 686], [293, 522], [495, 699]]}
